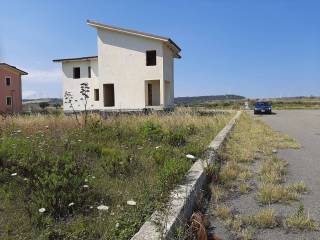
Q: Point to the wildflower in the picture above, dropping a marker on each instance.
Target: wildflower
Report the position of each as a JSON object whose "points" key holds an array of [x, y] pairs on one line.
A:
{"points": [[79, 140], [103, 207], [131, 203], [14, 174], [117, 225], [42, 210], [158, 147], [18, 131], [86, 180], [91, 207], [93, 177], [85, 186], [274, 151], [71, 204], [25, 179], [190, 156]]}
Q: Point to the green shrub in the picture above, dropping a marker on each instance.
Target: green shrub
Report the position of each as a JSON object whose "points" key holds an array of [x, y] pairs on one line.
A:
{"points": [[152, 131], [116, 162]]}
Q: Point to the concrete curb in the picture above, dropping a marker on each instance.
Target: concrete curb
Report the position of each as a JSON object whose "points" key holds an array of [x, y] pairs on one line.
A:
{"points": [[182, 200]]}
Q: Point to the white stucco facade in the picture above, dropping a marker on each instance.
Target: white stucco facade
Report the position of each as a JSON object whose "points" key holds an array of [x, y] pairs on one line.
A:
{"points": [[120, 73]]}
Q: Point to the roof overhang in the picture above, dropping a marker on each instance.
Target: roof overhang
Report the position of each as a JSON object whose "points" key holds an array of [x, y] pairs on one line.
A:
{"points": [[171, 44], [75, 59], [13, 68]]}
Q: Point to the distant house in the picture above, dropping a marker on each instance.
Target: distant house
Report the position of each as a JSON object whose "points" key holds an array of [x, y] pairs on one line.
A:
{"points": [[10, 89], [133, 70]]}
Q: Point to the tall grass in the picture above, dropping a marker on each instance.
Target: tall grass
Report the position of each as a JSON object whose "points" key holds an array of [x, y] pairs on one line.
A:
{"points": [[55, 173]]}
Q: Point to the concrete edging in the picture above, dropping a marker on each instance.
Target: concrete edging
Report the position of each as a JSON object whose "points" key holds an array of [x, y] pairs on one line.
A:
{"points": [[161, 225]]}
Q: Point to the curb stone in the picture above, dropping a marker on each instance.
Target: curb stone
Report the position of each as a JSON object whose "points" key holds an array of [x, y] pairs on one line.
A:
{"points": [[162, 225]]}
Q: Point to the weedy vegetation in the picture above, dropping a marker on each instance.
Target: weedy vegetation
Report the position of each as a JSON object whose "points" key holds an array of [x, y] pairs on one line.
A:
{"points": [[300, 221], [273, 193], [249, 165], [93, 178], [266, 218]]}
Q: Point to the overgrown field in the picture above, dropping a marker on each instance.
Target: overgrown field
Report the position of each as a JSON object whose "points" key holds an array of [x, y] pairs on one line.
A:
{"points": [[296, 103], [62, 180]]}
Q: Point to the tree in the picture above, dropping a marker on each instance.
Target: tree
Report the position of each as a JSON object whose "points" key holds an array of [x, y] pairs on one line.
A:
{"points": [[43, 105]]}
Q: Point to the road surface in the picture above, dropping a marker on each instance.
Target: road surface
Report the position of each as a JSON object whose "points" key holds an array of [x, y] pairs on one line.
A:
{"points": [[304, 164]]}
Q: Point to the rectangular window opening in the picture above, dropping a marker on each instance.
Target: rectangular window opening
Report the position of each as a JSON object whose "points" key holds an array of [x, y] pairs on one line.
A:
{"points": [[108, 95], [89, 72], [96, 94], [8, 101], [76, 72], [8, 81], [151, 57]]}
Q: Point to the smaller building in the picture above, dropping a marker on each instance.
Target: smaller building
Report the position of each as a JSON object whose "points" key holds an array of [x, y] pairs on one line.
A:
{"points": [[10, 89]]}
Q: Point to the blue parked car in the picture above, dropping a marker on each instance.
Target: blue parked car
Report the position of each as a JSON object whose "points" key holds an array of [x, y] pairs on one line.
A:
{"points": [[262, 107]]}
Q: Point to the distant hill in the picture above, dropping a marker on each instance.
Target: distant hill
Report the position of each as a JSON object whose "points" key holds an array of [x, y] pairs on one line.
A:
{"points": [[51, 101], [203, 99], [33, 104]]}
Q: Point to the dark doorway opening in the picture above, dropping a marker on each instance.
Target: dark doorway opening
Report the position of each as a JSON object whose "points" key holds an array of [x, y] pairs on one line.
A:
{"points": [[108, 95]]}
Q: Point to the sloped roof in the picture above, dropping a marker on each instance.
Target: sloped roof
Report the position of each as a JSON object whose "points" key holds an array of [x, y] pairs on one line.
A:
{"points": [[13, 68], [75, 59], [176, 49]]}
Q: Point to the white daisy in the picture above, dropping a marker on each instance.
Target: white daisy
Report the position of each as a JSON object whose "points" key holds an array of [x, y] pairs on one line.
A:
{"points": [[42, 210], [103, 207], [131, 203], [190, 156]]}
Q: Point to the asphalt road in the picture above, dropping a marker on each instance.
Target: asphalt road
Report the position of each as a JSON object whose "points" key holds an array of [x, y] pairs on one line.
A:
{"points": [[304, 164]]}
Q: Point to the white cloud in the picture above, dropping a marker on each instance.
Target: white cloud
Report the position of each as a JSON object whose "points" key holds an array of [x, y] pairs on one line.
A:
{"points": [[29, 94], [43, 76]]}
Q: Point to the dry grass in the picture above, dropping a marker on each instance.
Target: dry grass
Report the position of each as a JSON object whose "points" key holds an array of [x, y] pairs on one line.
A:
{"points": [[300, 221], [266, 218], [229, 172], [218, 193], [237, 226], [223, 212], [298, 187], [273, 171], [244, 188], [273, 193], [250, 139]]}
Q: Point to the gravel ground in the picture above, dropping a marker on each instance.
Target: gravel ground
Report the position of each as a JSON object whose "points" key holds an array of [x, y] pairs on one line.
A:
{"points": [[304, 165]]}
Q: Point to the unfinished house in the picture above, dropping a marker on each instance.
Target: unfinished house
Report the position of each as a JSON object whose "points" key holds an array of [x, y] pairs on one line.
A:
{"points": [[133, 71]]}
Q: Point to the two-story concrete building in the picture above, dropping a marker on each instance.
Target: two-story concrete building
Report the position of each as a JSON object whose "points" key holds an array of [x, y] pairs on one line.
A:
{"points": [[133, 71], [10, 89]]}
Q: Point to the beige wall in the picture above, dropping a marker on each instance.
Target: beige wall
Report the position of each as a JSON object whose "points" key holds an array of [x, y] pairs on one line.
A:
{"points": [[73, 85], [168, 76], [122, 61]]}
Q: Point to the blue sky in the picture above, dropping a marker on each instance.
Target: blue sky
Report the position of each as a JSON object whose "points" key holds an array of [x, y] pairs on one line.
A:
{"points": [[255, 48]]}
